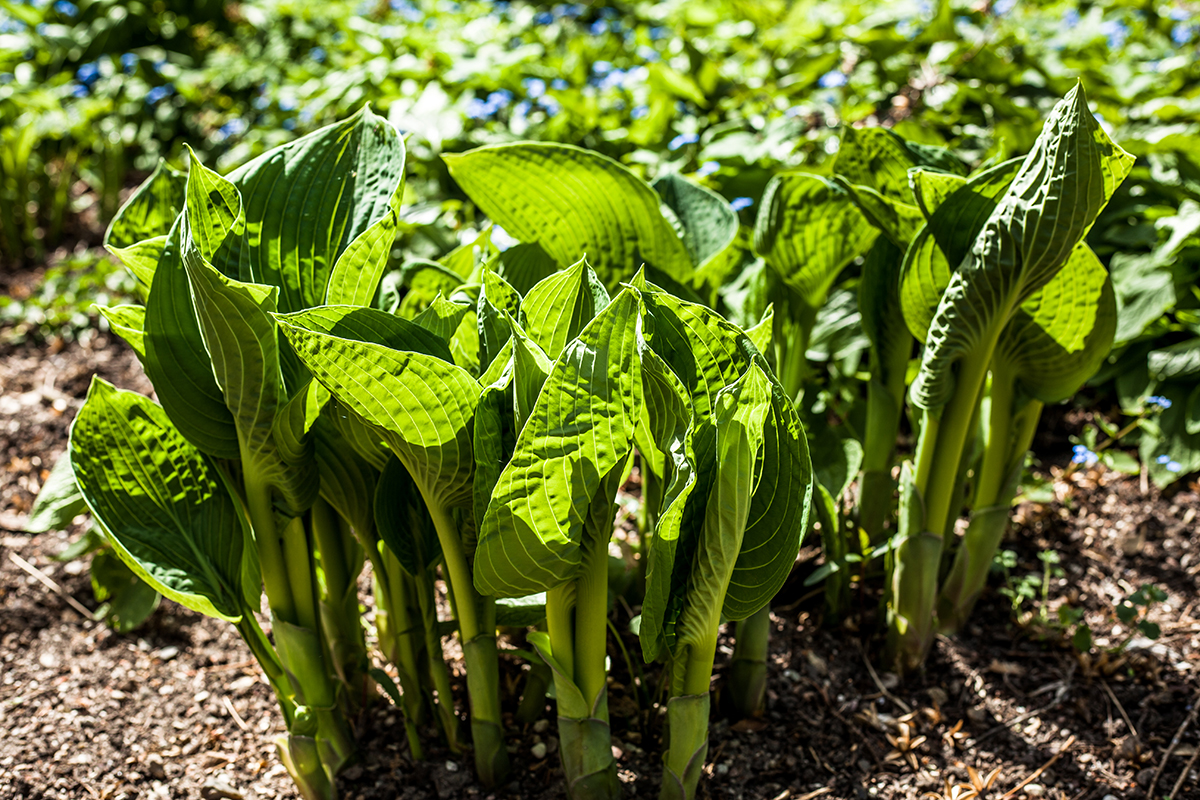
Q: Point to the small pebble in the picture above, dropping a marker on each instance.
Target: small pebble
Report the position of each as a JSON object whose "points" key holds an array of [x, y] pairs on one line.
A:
{"points": [[541, 726], [451, 766], [791, 675], [167, 653], [1034, 790], [154, 765], [219, 788], [538, 750]]}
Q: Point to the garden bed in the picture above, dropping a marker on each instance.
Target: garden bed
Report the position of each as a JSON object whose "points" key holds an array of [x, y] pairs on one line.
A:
{"points": [[178, 708]]}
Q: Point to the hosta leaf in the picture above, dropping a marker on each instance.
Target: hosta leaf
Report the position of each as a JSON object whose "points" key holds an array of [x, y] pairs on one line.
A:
{"points": [[425, 280], [240, 334], [348, 480], [807, 230], [531, 366], [128, 322], [1062, 334], [177, 362], [162, 504], [524, 265], [339, 181], [666, 436], [930, 189], [497, 300], [141, 259], [214, 211], [373, 325], [127, 599], [880, 159], [940, 247], [495, 436], [1060, 189], [560, 479], [59, 501], [709, 224], [421, 405], [403, 520], [559, 307], [150, 211], [1176, 360], [879, 305], [899, 221], [442, 318], [740, 415], [573, 203]]}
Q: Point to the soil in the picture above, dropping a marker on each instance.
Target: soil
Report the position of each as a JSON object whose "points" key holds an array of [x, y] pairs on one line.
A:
{"points": [[178, 709]]}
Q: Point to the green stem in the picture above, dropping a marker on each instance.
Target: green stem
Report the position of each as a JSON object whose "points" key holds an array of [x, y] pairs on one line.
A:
{"points": [[591, 630], [438, 672], [252, 634], [560, 603], [270, 552], [479, 652], [339, 608], [747, 682], [397, 635]]}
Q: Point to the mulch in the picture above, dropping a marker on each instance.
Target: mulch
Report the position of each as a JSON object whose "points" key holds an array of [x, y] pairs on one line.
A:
{"points": [[177, 709]]}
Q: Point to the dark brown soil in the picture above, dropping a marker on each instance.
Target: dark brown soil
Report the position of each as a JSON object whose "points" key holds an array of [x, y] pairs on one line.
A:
{"points": [[179, 710]]}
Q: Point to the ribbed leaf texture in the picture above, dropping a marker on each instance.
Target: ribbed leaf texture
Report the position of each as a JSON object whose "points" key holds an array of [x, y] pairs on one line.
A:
{"points": [[163, 505], [1061, 187], [573, 202]]}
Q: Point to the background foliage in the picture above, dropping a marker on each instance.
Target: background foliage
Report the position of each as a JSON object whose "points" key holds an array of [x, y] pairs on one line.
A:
{"points": [[729, 92]]}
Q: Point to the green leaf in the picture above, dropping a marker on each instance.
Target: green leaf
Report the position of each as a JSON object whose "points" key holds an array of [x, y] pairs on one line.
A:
{"points": [[59, 501], [1056, 196], [807, 230], [709, 224], [425, 280], [128, 322], [1175, 361], [239, 333], [442, 318], [531, 366], [141, 259], [1062, 334], [880, 159], [879, 307], [307, 201], [163, 505], [573, 202], [559, 307], [127, 600], [524, 265], [149, 212], [940, 247], [421, 405], [497, 300], [403, 520], [560, 478], [177, 362], [521, 612]]}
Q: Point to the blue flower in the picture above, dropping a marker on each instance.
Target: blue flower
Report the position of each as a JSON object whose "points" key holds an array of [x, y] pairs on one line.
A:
{"points": [[598, 28], [658, 32], [1070, 18], [478, 109], [832, 79], [66, 8], [907, 28], [1002, 7], [639, 112], [559, 84], [499, 98], [289, 124], [544, 18], [88, 73], [1162, 459], [682, 139], [287, 103], [550, 105], [1083, 455], [602, 67], [615, 79], [1179, 13], [157, 93], [1182, 33], [317, 54], [235, 127], [407, 10], [708, 168], [80, 90], [1160, 401], [738, 203], [129, 62], [534, 87], [647, 53], [1174, 466], [1116, 31]]}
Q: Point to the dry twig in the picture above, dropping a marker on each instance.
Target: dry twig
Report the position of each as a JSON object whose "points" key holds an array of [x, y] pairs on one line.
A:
{"points": [[49, 583], [1175, 743], [1013, 791], [1183, 777]]}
